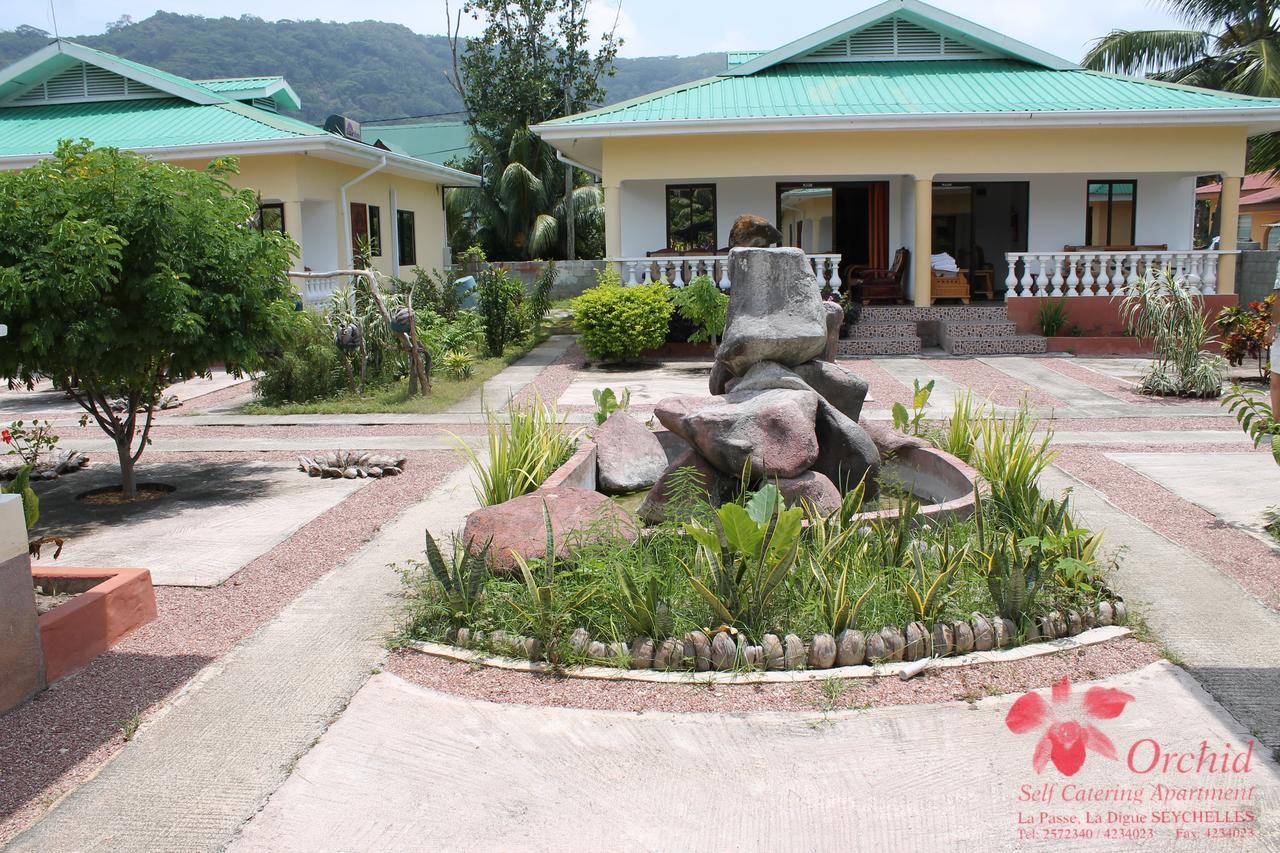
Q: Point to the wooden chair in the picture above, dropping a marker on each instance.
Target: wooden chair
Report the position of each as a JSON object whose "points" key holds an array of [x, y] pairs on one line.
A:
{"points": [[872, 285]]}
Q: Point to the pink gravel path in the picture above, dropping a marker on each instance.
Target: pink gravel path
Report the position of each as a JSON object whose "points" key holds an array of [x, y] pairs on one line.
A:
{"points": [[1118, 388], [1189, 423], [213, 398], [885, 388], [1235, 553], [994, 385], [963, 684], [56, 741], [555, 379]]}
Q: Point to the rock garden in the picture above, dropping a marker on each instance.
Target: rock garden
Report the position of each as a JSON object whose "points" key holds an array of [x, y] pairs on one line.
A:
{"points": [[764, 526]]}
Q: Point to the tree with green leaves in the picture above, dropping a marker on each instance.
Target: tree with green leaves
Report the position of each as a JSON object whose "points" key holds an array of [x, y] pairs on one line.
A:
{"points": [[121, 275], [1231, 45], [533, 62]]}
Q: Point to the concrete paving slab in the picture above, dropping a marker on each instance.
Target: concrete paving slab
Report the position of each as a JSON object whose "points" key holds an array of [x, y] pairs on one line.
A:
{"points": [[220, 518], [304, 446], [648, 384], [201, 385], [405, 764], [508, 383], [207, 762], [945, 389], [1236, 487], [1152, 437], [1035, 374], [1227, 638]]}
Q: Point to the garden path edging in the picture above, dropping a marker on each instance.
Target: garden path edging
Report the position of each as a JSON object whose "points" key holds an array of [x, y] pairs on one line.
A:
{"points": [[1091, 637]]}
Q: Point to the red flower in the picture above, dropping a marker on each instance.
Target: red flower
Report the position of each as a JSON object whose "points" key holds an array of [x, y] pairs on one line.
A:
{"points": [[7, 436], [1066, 741]]}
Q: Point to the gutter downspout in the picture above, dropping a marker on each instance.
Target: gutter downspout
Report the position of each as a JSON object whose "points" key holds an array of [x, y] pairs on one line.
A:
{"points": [[346, 210], [575, 164]]}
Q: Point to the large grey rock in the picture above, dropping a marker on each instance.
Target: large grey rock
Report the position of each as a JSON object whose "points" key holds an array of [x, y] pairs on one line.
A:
{"points": [[775, 310], [654, 507], [718, 381], [839, 387], [671, 411], [846, 454], [812, 488], [672, 445], [766, 376], [628, 456], [773, 429], [835, 319]]}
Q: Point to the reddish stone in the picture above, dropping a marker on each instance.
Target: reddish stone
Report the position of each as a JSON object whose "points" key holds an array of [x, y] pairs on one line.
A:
{"points": [[888, 440], [653, 510], [754, 232], [811, 487], [518, 526], [773, 429]]}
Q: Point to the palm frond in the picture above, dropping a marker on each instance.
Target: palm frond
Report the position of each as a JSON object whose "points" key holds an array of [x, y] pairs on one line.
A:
{"points": [[1146, 51]]}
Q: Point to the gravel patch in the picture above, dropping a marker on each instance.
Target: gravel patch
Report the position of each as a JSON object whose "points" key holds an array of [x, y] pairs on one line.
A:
{"points": [[1233, 552], [53, 743], [965, 684], [214, 398], [1155, 420], [555, 378], [1119, 389], [994, 385], [885, 388]]}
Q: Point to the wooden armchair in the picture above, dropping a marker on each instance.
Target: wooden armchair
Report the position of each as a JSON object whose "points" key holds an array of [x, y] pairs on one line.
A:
{"points": [[873, 285]]}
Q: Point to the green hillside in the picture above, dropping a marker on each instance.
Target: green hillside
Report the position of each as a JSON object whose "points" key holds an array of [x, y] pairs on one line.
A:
{"points": [[367, 70]]}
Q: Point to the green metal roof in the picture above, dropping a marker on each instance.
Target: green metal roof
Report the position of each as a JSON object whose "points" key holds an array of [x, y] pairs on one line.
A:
{"points": [[435, 142], [238, 84], [241, 88], [908, 88], [145, 123]]}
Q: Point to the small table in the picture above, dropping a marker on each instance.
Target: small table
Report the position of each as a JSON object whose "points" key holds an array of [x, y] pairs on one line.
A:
{"points": [[949, 286]]}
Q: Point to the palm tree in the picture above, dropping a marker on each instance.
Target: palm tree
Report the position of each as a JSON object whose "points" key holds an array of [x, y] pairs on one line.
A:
{"points": [[518, 212], [1231, 45]]}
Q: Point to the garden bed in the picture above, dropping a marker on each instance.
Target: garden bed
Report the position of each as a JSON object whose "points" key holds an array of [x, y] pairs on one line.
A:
{"points": [[104, 607]]}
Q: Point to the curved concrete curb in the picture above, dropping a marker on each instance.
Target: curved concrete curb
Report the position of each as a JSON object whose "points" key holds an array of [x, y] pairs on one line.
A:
{"points": [[1092, 637]]}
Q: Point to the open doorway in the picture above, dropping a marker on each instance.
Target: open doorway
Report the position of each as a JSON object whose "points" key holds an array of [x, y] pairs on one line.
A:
{"points": [[848, 218], [977, 223]]}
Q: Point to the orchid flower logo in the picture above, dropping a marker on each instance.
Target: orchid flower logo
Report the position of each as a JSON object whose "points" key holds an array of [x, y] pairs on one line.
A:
{"points": [[1067, 740]]}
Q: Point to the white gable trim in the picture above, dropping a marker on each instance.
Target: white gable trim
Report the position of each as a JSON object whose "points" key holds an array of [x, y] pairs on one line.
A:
{"points": [[927, 17]]}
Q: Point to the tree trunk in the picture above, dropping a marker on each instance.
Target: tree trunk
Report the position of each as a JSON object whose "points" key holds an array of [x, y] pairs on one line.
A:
{"points": [[128, 480]]}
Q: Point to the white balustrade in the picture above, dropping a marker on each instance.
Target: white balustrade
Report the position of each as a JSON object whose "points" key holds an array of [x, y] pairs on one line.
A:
{"points": [[1098, 273], [679, 270]]}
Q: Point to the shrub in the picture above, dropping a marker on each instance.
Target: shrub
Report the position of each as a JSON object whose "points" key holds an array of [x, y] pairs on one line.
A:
{"points": [[457, 364], [1246, 333], [616, 323], [500, 301], [1255, 417], [1165, 310], [705, 305], [526, 444], [308, 367], [1052, 316], [607, 402]]}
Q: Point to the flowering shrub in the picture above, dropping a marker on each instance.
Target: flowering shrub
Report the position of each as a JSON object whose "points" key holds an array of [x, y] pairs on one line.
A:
{"points": [[28, 441], [1245, 331]]}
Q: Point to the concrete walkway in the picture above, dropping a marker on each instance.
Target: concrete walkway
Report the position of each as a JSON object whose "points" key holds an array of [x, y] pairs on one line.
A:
{"points": [[202, 768], [1227, 638], [409, 769]]}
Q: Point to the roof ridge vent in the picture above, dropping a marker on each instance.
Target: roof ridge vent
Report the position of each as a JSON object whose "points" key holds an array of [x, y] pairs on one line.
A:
{"points": [[893, 38]]}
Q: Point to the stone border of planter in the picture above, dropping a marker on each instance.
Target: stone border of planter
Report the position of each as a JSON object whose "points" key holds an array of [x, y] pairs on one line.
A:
{"points": [[111, 604], [1091, 637]]}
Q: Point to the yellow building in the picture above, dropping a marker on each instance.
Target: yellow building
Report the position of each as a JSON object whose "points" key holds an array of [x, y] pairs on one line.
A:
{"points": [[330, 191], [906, 127]]}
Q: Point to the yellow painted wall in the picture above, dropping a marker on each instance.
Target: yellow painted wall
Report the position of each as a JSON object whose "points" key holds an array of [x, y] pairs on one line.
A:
{"points": [[297, 178], [926, 155]]}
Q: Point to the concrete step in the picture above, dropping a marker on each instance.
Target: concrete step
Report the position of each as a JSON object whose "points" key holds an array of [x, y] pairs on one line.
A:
{"points": [[978, 328], [863, 329], [984, 345], [879, 346], [961, 313]]}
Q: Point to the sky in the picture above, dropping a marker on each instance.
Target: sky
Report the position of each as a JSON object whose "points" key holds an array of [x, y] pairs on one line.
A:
{"points": [[649, 27]]}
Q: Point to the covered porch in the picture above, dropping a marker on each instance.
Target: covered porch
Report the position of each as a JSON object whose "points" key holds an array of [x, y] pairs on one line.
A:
{"points": [[1068, 234]]}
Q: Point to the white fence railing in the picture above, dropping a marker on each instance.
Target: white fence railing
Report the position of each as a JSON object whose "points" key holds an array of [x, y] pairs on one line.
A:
{"points": [[317, 288], [1069, 274], [679, 270]]}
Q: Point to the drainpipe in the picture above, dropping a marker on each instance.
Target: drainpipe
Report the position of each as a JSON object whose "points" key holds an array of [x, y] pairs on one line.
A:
{"points": [[346, 209]]}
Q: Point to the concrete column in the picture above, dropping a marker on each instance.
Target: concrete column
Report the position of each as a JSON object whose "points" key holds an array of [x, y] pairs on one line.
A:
{"points": [[1229, 205], [613, 221], [921, 274]]}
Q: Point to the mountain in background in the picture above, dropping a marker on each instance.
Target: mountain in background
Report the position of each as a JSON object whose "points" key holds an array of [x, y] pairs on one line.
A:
{"points": [[366, 70]]}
